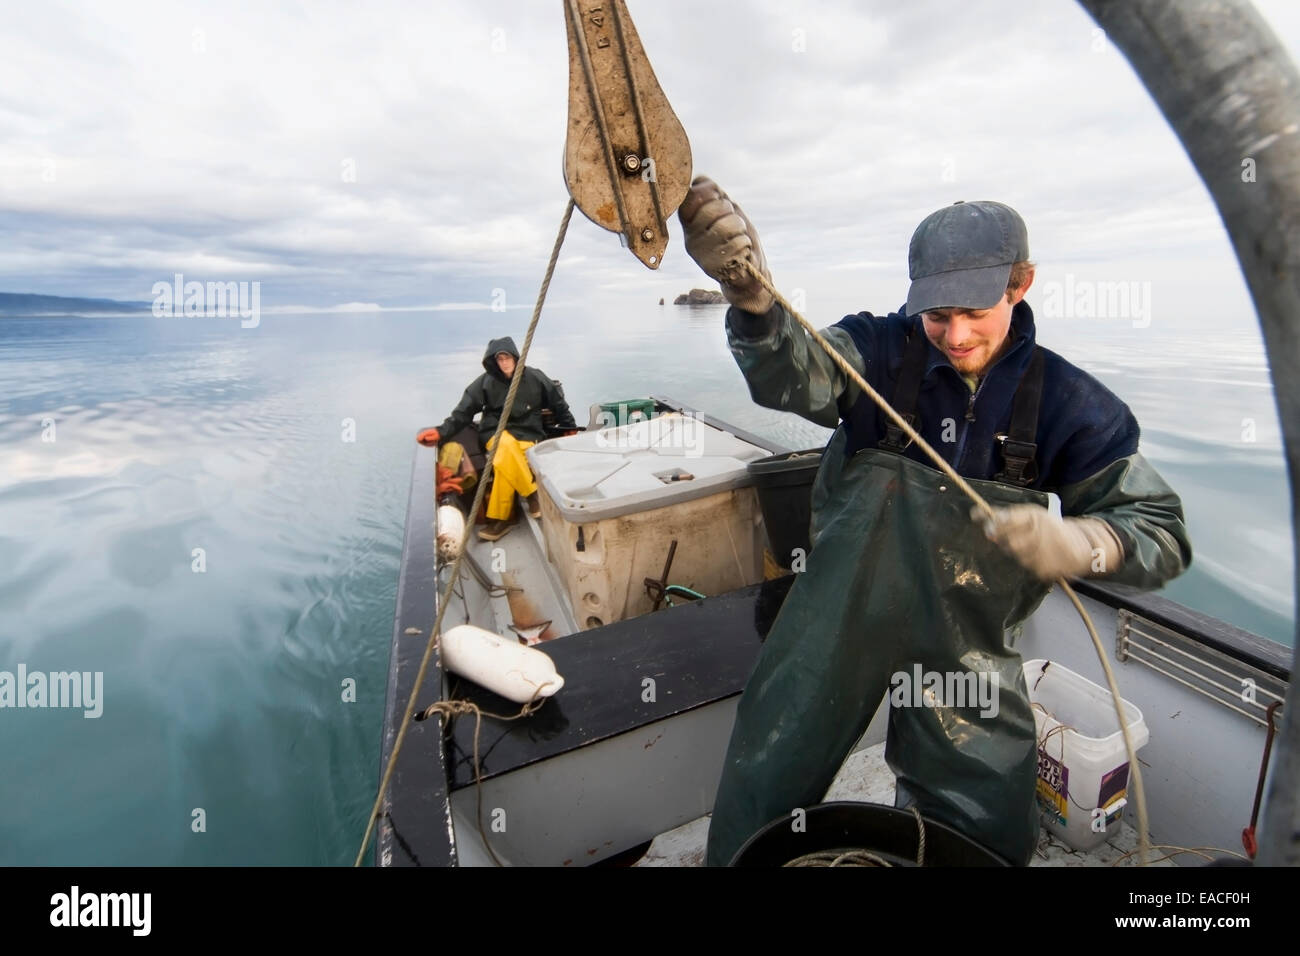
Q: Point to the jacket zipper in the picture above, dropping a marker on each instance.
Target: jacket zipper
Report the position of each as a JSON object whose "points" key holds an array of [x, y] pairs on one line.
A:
{"points": [[970, 408], [970, 418]]}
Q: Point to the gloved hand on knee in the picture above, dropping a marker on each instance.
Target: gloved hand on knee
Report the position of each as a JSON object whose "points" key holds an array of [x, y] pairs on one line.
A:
{"points": [[448, 481]]}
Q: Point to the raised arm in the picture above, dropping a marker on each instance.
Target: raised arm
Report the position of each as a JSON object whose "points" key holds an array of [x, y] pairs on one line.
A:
{"points": [[784, 368], [787, 370]]}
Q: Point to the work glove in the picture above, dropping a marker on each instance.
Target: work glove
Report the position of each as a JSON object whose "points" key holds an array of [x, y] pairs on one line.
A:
{"points": [[448, 481], [1052, 547], [429, 436], [717, 232]]}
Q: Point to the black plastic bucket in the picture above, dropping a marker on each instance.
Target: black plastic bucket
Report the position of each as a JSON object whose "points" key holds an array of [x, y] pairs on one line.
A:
{"points": [[887, 832], [784, 484]]}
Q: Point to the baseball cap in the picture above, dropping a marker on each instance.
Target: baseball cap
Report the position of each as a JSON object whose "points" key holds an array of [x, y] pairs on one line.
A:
{"points": [[961, 256]]}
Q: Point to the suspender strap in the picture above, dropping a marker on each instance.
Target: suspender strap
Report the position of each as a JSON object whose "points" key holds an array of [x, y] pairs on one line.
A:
{"points": [[1018, 445], [906, 392]]}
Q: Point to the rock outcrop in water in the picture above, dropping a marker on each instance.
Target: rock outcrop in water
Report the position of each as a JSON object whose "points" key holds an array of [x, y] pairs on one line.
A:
{"points": [[700, 297]]}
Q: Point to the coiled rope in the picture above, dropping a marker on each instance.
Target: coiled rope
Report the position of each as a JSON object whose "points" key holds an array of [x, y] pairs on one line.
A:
{"points": [[858, 857], [451, 708], [842, 363]]}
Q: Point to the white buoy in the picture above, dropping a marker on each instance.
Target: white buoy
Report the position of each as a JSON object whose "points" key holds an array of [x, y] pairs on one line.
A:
{"points": [[500, 664], [451, 528]]}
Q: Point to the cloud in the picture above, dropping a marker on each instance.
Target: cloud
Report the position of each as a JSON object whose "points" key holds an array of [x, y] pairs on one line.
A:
{"points": [[402, 153]]}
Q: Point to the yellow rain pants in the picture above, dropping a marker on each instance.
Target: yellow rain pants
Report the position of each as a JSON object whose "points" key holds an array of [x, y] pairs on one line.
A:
{"points": [[511, 476]]}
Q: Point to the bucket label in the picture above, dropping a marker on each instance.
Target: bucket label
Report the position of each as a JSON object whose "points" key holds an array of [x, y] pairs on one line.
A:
{"points": [[1114, 787], [1053, 787]]}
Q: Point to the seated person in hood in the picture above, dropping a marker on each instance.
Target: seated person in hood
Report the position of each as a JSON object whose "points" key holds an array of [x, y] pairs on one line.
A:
{"points": [[486, 397]]}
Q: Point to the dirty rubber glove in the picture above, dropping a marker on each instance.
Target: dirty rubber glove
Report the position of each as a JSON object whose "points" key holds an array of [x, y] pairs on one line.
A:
{"points": [[1052, 547], [717, 231], [429, 436], [447, 481]]}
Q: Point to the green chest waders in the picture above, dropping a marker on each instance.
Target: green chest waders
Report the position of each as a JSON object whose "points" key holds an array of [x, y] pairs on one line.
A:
{"points": [[901, 588]]}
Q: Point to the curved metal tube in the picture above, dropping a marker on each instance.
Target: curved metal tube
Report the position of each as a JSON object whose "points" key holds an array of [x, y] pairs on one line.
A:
{"points": [[1232, 94]]}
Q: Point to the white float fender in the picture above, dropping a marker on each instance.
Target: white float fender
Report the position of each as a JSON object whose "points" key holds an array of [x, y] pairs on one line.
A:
{"points": [[451, 529], [500, 664]]}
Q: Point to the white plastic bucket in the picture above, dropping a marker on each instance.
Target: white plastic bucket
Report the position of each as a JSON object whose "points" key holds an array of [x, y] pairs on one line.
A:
{"points": [[1082, 766]]}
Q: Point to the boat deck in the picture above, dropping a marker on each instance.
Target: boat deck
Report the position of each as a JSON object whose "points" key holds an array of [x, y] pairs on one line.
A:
{"points": [[642, 765], [535, 609], [866, 777], [532, 604]]}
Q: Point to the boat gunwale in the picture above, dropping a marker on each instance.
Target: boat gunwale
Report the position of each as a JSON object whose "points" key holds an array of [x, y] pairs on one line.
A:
{"points": [[416, 608], [1247, 647]]}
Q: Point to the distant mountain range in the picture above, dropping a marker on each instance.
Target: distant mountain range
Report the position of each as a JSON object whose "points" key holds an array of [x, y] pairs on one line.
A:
{"points": [[18, 303]]}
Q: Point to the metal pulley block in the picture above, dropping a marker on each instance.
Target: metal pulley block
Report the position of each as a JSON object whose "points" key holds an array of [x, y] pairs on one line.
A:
{"points": [[627, 161]]}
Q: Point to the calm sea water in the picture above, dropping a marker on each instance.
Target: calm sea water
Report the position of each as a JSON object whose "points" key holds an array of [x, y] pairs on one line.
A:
{"points": [[222, 694]]}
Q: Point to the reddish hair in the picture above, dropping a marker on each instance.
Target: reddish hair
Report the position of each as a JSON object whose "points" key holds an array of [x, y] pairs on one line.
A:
{"points": [[1019, 276]]}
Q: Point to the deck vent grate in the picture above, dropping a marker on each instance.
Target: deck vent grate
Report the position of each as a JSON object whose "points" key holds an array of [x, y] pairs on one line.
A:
{"points": [[1235, 685]]}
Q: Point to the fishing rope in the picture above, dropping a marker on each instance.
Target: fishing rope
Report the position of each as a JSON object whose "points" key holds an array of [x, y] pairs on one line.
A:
{"points": [[444, 601], [485, 582], [858, 857], [843, 364], [839, 858], [450, 708], [1201, 851]]}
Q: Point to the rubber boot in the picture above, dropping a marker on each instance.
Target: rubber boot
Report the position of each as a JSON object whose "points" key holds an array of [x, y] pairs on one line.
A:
{"points": [[495, 529], [534, 502]]}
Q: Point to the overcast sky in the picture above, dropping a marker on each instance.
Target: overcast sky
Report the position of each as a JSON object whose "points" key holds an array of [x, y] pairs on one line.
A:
{"points": [[138, 140]]}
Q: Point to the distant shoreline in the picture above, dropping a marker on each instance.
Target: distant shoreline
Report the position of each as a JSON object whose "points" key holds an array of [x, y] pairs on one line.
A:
{"points": [[32, 306]]}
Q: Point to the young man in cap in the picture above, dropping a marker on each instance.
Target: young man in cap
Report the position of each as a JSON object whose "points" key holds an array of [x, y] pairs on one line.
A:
{"points": [[486, 397], [900, 580]]}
